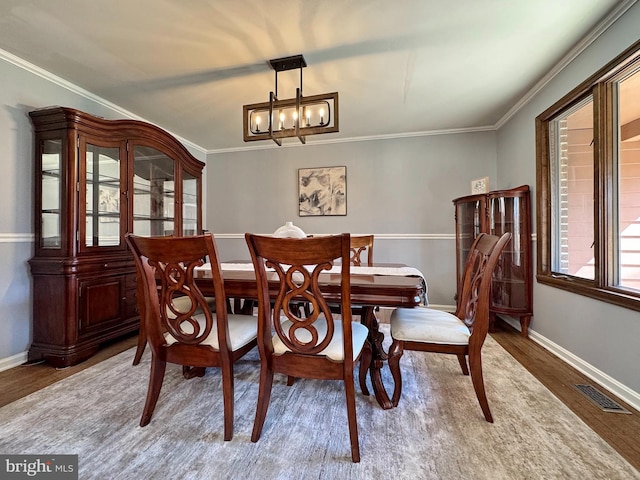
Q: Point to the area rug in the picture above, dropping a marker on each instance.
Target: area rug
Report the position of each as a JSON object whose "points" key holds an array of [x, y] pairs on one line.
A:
{"points": [[437, 431]]}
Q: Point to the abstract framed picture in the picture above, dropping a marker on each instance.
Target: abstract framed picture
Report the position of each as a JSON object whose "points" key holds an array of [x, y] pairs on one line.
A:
{"points": [[322, 191]]}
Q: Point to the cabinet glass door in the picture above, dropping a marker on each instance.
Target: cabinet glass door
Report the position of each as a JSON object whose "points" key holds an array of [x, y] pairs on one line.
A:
{"points": [[509, 285], [103, 220], [190, 204], [469, 226], [51, 159], [153, 192]]}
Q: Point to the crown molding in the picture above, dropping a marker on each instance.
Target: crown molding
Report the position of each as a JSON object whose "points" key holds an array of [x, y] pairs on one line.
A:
{"points": [[61, 82], [580, 47]]}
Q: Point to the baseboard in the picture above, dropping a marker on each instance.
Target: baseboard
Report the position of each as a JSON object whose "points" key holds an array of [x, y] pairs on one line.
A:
{"points": [[13, 361], [623, 392]]}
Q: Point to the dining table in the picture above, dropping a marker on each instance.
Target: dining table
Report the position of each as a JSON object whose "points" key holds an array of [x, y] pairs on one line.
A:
{"points": [[372, 286]]}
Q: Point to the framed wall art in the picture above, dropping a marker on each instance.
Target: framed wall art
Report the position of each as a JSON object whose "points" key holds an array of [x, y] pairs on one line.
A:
{"points": [[480, 185], [322, 191]]}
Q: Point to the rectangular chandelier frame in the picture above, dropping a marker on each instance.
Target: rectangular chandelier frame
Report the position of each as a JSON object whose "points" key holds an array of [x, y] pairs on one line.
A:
{"points": [[291, 117], [277, 129]]}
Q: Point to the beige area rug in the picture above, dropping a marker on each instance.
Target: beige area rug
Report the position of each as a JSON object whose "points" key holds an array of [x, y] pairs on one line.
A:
{"points": [[437, 432]]}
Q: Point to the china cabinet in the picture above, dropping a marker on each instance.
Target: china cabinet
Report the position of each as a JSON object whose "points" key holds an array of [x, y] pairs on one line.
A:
{"points": [[96, 180], [495, 213]]}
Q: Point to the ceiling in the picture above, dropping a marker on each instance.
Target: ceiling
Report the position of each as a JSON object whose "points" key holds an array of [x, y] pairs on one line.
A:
{"points": [[399, 66]]}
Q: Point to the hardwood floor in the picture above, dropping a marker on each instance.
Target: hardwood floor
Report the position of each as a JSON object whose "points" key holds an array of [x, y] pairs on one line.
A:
{"points": [[25, 379], [619, 430]]}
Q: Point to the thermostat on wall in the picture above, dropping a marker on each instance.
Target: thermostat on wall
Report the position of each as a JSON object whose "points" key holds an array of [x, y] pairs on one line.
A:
{"points": [[480, 185]]}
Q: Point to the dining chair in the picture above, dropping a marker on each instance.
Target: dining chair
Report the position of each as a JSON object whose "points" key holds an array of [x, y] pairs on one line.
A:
{"points": [[187, 332], [317, 346], [359, 245], [462, 333]]}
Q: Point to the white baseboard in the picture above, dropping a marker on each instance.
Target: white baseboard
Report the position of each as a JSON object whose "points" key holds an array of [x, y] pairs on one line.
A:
{"points": [[621, 391], [13, 361]]}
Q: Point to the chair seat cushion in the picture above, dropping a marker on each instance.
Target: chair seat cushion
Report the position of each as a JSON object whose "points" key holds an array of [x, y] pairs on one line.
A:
{"points": [[242, 330], [335, 349], [428, 325], [183, 304]]}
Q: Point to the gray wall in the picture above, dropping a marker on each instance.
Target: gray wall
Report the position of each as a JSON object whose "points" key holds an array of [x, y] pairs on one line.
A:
{"points": [[603, 337], [398, 189], [22, 89]]}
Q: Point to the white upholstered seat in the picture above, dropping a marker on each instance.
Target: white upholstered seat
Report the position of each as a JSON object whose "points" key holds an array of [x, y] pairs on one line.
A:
{"points": [[429, 326], [242, 330], [335, 349]]}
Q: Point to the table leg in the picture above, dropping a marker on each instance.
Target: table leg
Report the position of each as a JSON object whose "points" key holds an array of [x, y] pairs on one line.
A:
{"points": [[378, 357]]}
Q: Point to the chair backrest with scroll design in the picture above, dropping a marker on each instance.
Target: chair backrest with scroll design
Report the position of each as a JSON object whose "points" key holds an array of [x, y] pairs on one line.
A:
{"points": [[179, 324], [475, 286], [360, 244], [314, 346]]}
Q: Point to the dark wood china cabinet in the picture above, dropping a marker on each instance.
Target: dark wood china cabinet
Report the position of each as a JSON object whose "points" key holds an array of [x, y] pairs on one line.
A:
{"points": [[495, 213], [96, 180]]}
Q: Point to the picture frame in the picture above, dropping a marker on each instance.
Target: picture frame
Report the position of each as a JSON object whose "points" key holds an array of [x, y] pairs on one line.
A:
{"points": [[480, 185], [322, 191]]}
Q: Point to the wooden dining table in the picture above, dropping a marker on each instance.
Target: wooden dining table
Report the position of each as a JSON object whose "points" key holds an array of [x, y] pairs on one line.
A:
{"points": [[368, 290]]}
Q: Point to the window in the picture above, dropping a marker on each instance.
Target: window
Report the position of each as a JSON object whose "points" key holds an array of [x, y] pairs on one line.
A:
{"points": [[588, 186]]}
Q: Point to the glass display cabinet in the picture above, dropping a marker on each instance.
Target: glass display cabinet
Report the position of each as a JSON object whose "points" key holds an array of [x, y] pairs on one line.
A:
{"points": [[96, 180], [495, 213]]}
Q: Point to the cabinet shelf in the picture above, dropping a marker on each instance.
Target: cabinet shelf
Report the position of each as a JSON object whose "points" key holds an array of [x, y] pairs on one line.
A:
{"points": [[147, 191], [91, 213], [512, 283], [149, 218]]}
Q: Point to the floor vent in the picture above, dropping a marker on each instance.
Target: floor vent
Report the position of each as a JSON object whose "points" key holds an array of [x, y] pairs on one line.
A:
{"points": [[600, 399]]}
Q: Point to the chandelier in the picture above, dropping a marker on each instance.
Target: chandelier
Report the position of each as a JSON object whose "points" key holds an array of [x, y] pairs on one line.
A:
{"points": [[291, 117]]}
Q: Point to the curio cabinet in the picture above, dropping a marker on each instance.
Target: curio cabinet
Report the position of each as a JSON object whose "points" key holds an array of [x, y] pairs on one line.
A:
{"points": [[96, 180], [495, 213]]}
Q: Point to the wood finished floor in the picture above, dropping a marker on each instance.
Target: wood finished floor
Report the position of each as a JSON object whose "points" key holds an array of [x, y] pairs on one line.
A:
{"points": [[619, 430]]}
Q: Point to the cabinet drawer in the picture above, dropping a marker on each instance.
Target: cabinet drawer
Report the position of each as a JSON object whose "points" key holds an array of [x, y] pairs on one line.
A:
{"points": [[104, 267]]}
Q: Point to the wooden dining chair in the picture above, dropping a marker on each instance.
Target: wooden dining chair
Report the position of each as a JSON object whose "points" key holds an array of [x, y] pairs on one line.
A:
{"points": [[317, 346], [359, 245], [461, 334], [187, 332]]}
